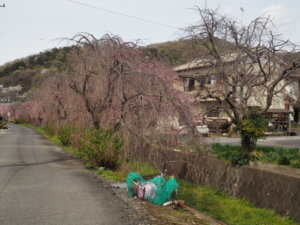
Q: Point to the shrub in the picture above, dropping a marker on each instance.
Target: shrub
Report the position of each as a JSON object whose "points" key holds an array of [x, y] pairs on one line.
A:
{"points": [[65, 135], [20, 120], [231, 153], [251, 128], [101, 148], [50, 130], [239, 159], [284, 160], [296, 165]]}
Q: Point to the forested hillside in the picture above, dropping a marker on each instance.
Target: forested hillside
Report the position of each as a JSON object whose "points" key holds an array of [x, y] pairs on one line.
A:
{"points": [[27, 71]]}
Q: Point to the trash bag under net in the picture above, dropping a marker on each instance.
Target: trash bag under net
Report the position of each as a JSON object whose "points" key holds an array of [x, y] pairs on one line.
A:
{"points": [[156, 190]]}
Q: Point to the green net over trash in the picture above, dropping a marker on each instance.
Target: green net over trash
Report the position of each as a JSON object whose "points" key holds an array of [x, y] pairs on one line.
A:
{"points": [[156, 190]]}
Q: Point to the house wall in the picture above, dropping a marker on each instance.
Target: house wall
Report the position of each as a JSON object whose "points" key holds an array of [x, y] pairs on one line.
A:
{"points": [[293, 93], [292, 90], [203, 107], [258, 97]]}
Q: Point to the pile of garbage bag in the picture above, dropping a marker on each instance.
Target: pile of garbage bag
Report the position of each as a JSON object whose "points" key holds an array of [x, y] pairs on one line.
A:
{"points": [[156, 190]]}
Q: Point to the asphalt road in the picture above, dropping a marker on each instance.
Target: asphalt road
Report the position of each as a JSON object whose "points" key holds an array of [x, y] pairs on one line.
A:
{"points": [[284, 141], [42, 185]]}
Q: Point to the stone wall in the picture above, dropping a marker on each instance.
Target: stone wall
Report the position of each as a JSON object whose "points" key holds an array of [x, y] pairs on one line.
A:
{"points": [[267, 189]]}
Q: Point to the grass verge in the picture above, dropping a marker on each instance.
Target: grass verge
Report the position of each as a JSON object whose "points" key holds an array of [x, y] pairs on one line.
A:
{"points": [[270, 154], [54, 139], [228, 209], [128, 166], [216, 203]]}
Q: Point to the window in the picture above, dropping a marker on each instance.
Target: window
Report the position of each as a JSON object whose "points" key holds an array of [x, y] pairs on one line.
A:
{"points": [[189, 84], [212, 79], [213, 113]]}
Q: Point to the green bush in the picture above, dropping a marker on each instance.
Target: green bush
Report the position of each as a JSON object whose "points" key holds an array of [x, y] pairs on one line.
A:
{"points": [[239, 159], [251, 128], [101, 148], [296, 165], [20, 120], [230, 153], [284, 160], [50, 130], [65, 135]]}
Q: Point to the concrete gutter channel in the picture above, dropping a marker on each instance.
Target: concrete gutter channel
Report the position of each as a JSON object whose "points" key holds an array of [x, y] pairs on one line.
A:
{"points": [[288, 171]]}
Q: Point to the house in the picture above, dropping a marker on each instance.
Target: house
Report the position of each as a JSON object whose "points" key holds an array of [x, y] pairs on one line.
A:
{"points": [[239, 81]]}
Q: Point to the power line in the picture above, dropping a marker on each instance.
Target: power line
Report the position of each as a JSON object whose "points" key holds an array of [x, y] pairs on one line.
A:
{"points": [[122, 14]]}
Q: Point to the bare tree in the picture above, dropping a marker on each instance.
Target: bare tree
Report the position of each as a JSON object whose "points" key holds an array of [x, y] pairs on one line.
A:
{"points": [[243, 66], [123, 90]]}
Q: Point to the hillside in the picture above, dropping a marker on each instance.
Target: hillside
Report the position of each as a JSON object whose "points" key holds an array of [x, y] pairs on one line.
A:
{"points": [[183, 51], [27, 71], [176, 52]]}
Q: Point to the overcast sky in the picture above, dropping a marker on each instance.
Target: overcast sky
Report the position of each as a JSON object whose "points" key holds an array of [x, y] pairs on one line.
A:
{"points": [[31, 26]]}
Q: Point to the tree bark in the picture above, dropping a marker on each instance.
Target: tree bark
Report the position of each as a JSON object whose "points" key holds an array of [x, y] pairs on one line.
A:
{"points": [[248, 143]]}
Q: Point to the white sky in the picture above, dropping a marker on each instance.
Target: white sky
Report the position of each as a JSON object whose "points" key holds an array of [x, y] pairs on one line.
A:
{"points": [[31, 26]]}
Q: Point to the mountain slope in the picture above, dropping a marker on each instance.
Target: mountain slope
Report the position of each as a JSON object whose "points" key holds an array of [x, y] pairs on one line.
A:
{"points": [[26, 71]]}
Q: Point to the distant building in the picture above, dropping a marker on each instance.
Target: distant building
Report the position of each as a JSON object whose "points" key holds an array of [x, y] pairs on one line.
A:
{"points": [[202, 73], [11, 100]]}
